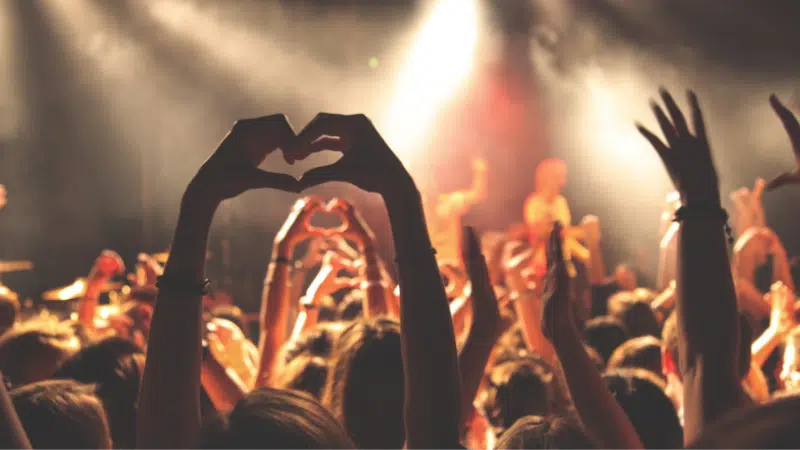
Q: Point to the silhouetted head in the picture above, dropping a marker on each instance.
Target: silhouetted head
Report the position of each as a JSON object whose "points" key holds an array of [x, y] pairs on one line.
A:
{"points": [[515, 389], [62, 414], [643, 352], [115, 366], [276, 419], [641, 395], [605, 334], [365, 388], [536, 432], [33, 351]]}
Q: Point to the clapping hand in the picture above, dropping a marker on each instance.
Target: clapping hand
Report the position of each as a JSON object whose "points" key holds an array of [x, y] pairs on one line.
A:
{"points": [[793, 129]]}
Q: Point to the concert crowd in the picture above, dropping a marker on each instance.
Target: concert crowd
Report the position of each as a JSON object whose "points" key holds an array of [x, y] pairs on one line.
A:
{"points": [[511, 339]]}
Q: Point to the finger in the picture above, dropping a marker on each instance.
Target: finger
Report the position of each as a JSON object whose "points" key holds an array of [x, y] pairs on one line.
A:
{"points": [[789, 123], [322, 143], [782, 179], [697, 118], [261, 179], [326, 124], [345, 283], [662, 150], [321, 175], [675, 113], [670, 134]]}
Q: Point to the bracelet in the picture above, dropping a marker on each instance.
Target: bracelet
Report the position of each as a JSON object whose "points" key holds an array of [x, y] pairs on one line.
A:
{"points": [[397, 258], [281, 260], [170, 284], [701, 211]]}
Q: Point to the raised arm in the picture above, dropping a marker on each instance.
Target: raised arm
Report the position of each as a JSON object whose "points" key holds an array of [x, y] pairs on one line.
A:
{"points": [[708, 322], [168, 413], [432, 412], [106, 266], [459, 202], [275, 298], [599, 411]]}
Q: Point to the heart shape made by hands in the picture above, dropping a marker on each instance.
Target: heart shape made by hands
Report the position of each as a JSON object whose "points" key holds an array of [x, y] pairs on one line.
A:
{"points": [[328, 220]]}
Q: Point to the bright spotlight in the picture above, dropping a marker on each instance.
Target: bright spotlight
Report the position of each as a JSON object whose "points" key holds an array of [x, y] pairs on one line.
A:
{"points": [[440, 60]]}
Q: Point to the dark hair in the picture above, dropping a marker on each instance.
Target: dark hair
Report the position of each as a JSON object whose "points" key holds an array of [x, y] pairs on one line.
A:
{"points": [[635, 313], [669, 339], [33, 351], [351, 306], [305, 373], [115, 366], [274, 418], [61, 414], [643, 352], [318, 341], [605, 334], [641, 395], [365, 387], [771, 425], [536, 432], [518, 388]]}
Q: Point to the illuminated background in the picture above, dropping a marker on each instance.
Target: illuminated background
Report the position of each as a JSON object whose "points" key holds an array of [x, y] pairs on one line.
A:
{"points": [[108, 108]]}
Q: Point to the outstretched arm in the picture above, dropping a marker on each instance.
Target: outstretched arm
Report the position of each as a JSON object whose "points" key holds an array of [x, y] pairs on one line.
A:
{"points": [[708, 322]]}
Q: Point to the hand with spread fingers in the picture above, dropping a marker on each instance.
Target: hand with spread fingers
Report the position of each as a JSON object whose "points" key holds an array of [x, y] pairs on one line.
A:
{"points": [[367, 160], [686, 155], [793, 129], [354, 227], [233, 168], [297, 227]]}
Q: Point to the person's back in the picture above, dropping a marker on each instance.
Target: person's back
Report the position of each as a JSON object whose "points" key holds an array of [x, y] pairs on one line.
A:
{"points": [[273, 418]]}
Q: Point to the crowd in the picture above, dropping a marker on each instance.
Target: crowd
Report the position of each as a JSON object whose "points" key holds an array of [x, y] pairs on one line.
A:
{"points": [[500, 347]]}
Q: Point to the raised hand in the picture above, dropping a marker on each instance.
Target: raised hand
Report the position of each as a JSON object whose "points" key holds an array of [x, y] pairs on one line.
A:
{"points": [[297, 227], [354, 227], [367, 160], [328, 281], [557, 311], [793, 129], [686, 156], [782, 316], [591, 228], [485, 308], [108, 265], [233, 168]]}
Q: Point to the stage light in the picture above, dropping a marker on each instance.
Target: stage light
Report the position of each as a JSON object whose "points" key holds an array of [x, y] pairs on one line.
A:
{"points": [[439, 61]]}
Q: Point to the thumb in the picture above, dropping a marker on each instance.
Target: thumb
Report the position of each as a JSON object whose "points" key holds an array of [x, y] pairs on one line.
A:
{"points": [[262, 179]]}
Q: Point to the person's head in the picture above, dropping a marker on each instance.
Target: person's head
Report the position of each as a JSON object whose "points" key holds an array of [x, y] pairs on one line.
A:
{"points": [[62, 414], [626, 277], [274, 418], [32, 351], [115, 366], [319, 341], [605, 334], [641, 395], [9, 308], [515, 389], [365, 386], [352, 305], [305, 373], [670, 356], [551, 176], [536, 432], [790, 371], [642, 352], [637, 317]]}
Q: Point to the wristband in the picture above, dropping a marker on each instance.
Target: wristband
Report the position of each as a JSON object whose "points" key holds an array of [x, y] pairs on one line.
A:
{"points": [[701, 211], [170, 284]]}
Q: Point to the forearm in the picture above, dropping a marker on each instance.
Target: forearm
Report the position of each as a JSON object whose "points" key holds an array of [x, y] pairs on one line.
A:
{"points": [[472, 363], [274, 316], [764, 345], [781, 271], [374, 288], [708, 323], [222, 385], [430, 360], [172, 370], [599, 412], [87, 305], [597, 267]]}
